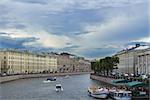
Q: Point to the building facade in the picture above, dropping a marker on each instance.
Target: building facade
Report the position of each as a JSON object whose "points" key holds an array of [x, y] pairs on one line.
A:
{"points": [[15, 62], [71, 63], [143, 62], [134, 60]]}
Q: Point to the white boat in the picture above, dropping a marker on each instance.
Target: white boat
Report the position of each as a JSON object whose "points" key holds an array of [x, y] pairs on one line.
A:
{"points": [[58, 87], [121, 94], [47, 81], [100, 93]]}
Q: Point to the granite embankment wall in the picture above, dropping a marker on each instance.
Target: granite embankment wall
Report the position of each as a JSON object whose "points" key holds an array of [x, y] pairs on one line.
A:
{"points": [[16, 77], [106, 80]]}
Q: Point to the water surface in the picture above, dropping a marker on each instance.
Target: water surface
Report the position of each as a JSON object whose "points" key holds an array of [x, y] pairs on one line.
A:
{"points": [[75, 88]]}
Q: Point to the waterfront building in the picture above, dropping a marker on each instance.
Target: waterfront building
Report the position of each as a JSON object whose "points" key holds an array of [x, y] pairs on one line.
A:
{"points": [[0, 61], [134, 60], [143, 62], [71, 63], [16, 62]]}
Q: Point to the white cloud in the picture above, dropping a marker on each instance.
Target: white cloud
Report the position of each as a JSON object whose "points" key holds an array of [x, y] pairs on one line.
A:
{"points": [[65, 5], [44, 39], [54, 41], [101, 31], [145, 39]]}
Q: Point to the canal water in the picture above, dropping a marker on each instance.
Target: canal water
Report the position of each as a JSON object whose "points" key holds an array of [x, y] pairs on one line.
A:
{"points": [[75, 88]]}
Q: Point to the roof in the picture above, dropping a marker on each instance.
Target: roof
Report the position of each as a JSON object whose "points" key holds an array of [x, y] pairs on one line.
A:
{"points": [[135, 84], [120, 81], [122, 91], [141, 47], [58, 84]]}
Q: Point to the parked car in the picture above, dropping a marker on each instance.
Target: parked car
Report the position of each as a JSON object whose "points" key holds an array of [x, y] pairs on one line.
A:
{"points": [[131, 74], [144, 76], [126, 75]]}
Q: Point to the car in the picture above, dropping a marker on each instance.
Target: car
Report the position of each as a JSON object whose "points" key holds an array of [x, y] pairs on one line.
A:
{"points": [[131, 74], [144, 76], [126, 75]]}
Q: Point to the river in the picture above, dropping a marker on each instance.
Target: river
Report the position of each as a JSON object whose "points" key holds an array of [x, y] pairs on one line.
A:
{"points": [[75, 88]]}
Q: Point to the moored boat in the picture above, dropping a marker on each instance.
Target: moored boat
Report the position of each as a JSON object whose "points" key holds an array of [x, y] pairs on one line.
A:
{"points": [[120, 94], [100, 93], [140, 90]]}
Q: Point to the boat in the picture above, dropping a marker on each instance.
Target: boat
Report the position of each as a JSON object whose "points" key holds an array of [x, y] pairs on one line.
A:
{"points": [[120, 82], [139, 89], [120, 94], [67, 76], [50, 79], [99, 93], [58, 87]]}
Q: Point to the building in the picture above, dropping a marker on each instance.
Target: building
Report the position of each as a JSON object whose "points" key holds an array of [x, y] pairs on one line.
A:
{"points": [[143, 62], [15, 62], [0, 61], [71, 63], [132, 61]]}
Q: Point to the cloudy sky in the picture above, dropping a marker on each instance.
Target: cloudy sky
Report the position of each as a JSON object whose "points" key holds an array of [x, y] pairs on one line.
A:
{"points": [[89, 28]]}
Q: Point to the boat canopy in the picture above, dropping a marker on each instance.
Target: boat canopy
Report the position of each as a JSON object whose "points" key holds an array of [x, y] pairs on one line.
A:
{"points": [[136, 84], [120, 81], [58, 84]]}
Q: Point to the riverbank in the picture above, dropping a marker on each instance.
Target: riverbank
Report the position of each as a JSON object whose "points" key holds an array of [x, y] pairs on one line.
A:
{"points": [[16, 77], [106, 80]]}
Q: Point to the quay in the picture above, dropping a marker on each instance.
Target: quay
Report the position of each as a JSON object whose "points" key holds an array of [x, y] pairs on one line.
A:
{"points": [[109, 81], [106, 80], [25, 76]]}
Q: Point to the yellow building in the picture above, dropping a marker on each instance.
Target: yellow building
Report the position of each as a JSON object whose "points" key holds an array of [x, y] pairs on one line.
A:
{"points": [[15, 62]]}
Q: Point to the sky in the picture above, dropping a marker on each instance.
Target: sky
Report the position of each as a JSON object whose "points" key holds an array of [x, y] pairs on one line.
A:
{"points": [[88, 28]]}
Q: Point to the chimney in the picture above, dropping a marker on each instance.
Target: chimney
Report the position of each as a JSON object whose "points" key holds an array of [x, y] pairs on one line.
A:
{"points": [[137, 45]]}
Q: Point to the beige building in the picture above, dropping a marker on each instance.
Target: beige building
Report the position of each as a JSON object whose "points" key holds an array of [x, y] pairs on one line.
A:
{"points": [[131, 61], [0, 61], [71, 63], [15, 62], [143, 61]]}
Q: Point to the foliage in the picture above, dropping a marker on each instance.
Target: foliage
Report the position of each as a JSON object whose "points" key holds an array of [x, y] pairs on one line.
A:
{"points": [[105, 65]]}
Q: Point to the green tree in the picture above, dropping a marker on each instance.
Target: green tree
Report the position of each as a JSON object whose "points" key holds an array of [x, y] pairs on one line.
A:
{"points": [[104, 65]]}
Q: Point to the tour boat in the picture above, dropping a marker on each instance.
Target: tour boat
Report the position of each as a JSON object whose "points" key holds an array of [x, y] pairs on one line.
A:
{"points": [[51, 79], [120, 94], [100, 93], [58, 87]]}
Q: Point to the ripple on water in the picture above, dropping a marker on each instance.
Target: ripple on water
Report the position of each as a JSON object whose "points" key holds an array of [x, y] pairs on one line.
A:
{"points": [[75, 88]]}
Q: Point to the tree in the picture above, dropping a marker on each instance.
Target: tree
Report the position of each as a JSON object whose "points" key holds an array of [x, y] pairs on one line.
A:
{"points": [[105, 65]]}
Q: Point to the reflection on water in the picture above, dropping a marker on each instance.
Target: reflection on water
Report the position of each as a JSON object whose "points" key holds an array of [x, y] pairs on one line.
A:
{"points": [[75, 88]]}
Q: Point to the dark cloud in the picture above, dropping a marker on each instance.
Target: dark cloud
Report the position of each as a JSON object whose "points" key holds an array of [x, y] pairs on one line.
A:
{"points": [[8, 42], [69, 48], [141, 43], [3, 33], [99, 52], [33, 1]]}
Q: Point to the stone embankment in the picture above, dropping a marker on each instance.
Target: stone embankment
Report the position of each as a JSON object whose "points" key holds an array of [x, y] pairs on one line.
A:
{"points": [[106, 80], [16, 77]]}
